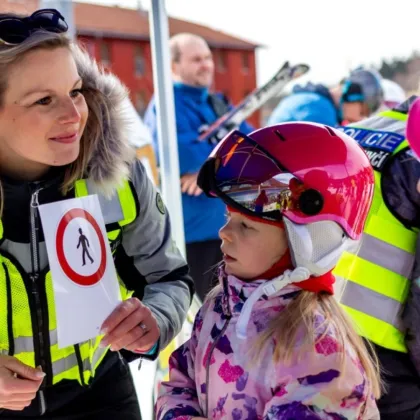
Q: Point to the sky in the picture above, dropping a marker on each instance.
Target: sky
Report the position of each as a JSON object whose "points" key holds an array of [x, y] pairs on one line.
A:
{"points": [[332, 36]]}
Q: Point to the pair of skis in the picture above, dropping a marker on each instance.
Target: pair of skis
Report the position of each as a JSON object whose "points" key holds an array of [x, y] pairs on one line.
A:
{"points": [[253, 102]]}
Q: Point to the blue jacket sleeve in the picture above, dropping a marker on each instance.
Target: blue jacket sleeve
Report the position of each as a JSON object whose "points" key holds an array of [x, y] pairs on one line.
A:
{"points": [[192, 154]]}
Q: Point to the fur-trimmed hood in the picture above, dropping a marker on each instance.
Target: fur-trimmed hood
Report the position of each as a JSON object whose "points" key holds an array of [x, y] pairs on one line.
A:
{"points": [[111, 160]]}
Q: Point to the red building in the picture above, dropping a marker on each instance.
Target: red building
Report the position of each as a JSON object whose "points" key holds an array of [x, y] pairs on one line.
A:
{"points": [[119, 39]]}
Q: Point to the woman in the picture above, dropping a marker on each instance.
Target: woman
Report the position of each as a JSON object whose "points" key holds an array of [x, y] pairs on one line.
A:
{"points": [[63, 136]]}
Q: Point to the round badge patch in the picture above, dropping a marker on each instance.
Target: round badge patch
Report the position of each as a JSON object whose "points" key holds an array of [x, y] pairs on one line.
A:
{"points": [[159, 203]]}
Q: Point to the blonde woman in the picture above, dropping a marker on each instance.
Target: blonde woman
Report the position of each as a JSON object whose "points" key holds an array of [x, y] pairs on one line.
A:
{"points": [[271, 341], [63, 134]]}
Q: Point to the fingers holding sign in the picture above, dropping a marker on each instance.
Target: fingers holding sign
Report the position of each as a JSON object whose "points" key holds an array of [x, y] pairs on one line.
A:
{"points": [[131, 326], [19, 383]]}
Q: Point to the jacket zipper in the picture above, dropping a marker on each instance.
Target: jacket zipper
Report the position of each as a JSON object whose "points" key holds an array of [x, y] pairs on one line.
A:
{"points": [[38, 316], [208, 363], [80, 364], [9, 312]]}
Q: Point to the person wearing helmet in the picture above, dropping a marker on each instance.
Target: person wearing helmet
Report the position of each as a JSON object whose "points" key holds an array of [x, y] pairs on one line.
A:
{"points": [[271, 341], [357, 97], [393, 94], [379, 293]]}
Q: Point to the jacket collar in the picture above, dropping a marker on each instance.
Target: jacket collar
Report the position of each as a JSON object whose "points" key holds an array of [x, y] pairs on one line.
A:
{"points": [[236, 292], [113, 155], [199, 94]]}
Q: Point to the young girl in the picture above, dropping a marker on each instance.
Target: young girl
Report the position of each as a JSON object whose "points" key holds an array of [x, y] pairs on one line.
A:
{"points": [[271, 341]]}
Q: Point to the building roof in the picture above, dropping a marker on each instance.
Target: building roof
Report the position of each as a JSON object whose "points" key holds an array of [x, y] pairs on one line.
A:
{"points": [[118, 22]]}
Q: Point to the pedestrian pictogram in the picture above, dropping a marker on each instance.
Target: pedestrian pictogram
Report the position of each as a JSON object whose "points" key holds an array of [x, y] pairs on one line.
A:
{"points": [[71, 262], [84, 242]]}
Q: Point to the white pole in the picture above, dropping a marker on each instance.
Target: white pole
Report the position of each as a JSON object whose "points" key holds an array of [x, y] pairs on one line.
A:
{"points": [[165, 112]]}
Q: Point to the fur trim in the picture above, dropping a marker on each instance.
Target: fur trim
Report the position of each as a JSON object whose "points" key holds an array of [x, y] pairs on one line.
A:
{"points": [[110, 163]]}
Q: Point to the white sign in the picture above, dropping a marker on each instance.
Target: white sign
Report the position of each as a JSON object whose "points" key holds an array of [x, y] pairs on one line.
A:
{"points": [[85, 282]]}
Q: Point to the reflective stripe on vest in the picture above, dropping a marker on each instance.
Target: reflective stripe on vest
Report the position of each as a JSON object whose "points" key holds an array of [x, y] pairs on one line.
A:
{"points": [[121, 206], [377, 275], [16, 334], [62, 365], [387, 256]]}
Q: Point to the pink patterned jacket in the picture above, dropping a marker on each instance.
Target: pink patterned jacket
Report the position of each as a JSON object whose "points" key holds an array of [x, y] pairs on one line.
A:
{"points": [[211, 374]]}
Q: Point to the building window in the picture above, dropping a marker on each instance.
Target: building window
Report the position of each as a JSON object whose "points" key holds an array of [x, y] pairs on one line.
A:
{"points": [[105, 51], [221, 62], [139, 61], [141, 102], [245, 62]]}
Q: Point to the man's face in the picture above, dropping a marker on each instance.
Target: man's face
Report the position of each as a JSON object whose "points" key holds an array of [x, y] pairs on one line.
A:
{"points": [[195, 66], [354, 112]]}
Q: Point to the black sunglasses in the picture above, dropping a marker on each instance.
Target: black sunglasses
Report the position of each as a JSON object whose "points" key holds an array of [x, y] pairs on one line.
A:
{"points": [[14, 30]]}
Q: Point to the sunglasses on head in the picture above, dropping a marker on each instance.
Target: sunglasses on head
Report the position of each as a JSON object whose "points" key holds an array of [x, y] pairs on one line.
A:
{"points": [[15, 30]]}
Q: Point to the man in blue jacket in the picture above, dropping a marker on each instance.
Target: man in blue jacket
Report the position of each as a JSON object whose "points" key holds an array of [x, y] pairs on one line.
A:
{"points": [[196, 108], [356, 98]]}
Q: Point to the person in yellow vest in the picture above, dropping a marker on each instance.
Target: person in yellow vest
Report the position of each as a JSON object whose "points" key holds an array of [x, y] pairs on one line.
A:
{"points": [[63, 135], [378, 276]]}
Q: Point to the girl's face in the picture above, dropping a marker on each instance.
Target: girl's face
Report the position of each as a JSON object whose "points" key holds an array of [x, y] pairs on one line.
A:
{"points": [[250, 248], [43, 115]]}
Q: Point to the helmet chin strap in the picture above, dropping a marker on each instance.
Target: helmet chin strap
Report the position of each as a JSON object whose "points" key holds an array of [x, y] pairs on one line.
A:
{"points": [[268, 288]]}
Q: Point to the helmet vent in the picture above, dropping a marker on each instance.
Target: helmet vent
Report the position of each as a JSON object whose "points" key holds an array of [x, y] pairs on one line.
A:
{"points": [[331, 131], [279, 135]]}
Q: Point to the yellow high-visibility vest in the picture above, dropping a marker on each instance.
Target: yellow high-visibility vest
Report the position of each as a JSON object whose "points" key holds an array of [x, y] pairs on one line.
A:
{"points": [[376, 277], [18, 335]]}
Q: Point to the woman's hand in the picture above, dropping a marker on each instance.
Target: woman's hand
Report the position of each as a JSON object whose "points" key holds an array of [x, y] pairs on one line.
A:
{"points": [[19, 383], [131, 326]]}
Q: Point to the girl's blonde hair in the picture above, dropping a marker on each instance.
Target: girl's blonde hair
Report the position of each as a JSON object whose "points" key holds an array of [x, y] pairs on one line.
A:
{"points": [[42, 40], [298, 319]]}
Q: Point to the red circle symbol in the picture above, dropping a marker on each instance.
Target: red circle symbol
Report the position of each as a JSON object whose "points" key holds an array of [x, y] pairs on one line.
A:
{"points": [[77, 278]]}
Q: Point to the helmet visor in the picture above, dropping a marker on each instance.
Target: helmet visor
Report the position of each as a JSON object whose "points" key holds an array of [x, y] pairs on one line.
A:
{"points": [[245, 176]]}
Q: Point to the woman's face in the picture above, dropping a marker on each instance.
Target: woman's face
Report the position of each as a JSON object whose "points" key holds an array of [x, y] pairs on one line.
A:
{"points": [[43, 115]]}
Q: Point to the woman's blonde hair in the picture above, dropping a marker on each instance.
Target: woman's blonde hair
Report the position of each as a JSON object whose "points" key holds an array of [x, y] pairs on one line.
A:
{"points": [[98, 112], [298, 319]]}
